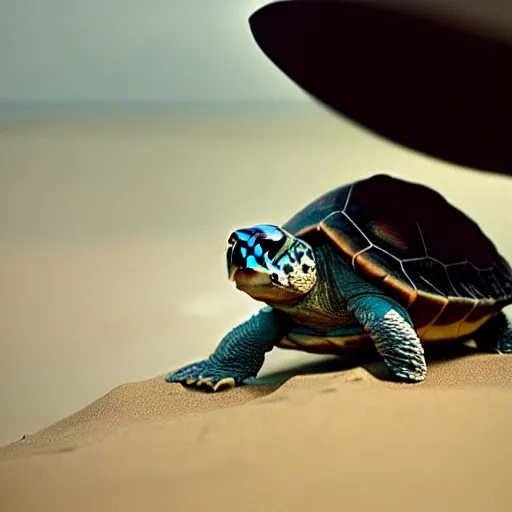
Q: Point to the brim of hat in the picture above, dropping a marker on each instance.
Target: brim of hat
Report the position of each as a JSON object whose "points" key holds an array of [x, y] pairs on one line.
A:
{"points": [[443, 90]]}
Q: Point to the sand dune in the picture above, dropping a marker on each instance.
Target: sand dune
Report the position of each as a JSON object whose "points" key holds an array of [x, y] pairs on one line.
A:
{"points": [[112, 270], [337, 440]]}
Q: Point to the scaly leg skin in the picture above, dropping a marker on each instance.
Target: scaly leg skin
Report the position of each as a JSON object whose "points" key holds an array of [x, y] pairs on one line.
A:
{"points": [[240, 354], [495, 335], [391, 329]]}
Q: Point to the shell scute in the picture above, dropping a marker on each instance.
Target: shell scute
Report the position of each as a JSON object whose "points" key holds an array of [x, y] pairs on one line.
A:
{"points": [[431, 276], [346, 234]]}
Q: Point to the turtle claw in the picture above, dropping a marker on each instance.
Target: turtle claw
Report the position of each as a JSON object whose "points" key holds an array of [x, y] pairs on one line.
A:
{"points": [[225, 383], [204, 374]]}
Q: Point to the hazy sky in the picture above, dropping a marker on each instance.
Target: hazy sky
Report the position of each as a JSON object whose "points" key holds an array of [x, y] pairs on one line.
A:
{"points": [[134, 50]]}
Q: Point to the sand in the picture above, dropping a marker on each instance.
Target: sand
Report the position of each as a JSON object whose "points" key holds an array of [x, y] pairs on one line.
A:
{"points": [[111, 271], [342, 439]]}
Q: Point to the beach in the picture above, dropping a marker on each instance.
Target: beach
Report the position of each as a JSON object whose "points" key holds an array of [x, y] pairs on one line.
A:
{"points": [[112, 237]]}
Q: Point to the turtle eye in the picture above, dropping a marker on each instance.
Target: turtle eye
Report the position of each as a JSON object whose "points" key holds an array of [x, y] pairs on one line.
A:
{"points": [[273, 278]]}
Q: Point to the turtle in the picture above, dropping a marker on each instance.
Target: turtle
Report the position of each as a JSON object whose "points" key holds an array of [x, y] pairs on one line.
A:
{"points": [[378, 262]]}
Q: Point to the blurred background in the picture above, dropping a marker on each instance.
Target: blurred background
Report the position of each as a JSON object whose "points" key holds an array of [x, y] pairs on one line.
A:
{"points": [[133, 139]]}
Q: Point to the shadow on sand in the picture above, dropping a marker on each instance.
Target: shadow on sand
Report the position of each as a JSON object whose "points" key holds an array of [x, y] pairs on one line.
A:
{"points": [[368, 359]]}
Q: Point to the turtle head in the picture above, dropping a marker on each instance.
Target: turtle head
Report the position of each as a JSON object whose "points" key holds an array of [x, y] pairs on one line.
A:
{"points": [[270, 264]]}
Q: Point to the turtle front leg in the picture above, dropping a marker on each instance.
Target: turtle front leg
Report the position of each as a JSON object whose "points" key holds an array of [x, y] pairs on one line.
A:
{"points": [[240, 354], [391, 329]]}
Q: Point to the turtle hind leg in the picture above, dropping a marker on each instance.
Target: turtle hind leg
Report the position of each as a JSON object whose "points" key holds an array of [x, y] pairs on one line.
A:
{"points": [[495, 335]]}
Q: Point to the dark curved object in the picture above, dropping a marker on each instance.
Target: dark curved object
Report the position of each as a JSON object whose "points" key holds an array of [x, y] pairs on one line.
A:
{"points": [[439, 84]]}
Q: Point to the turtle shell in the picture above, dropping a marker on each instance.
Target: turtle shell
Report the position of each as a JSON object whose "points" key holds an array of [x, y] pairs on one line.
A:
{"points": [[425, 253]]}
